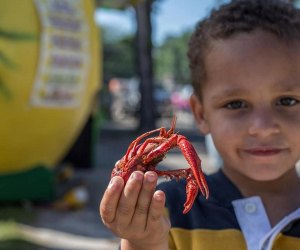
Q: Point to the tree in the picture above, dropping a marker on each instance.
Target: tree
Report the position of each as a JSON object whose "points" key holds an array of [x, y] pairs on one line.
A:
{"points": [[145, 64], [118, 54], [171, 59], [143, 55], [295, 2]]}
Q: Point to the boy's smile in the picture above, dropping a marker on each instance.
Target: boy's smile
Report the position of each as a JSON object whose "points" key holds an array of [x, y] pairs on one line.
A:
{"points": [[251, 104], [263, 151]]}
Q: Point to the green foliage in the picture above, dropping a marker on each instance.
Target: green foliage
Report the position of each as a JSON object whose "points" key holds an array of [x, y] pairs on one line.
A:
{"points": [[9, 230], [170, 59], [118, 55], [296, 2]]}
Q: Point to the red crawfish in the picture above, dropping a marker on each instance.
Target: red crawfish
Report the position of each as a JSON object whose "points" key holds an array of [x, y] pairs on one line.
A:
{"points": [[145, 152]]}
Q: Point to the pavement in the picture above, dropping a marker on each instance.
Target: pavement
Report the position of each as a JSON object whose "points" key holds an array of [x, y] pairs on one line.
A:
{"points": [[82, 229]]}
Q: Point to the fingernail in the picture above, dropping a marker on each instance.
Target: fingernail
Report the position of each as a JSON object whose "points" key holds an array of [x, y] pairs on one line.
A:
{"points": [[136, 176], [151, 177], [158, 196], [112, 183]]}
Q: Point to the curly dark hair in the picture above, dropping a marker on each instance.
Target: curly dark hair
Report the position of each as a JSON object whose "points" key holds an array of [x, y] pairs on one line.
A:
{"points": [[280, 18]]}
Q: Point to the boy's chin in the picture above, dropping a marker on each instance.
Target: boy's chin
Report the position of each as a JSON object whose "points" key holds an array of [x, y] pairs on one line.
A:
{"points": [[265, 175]]}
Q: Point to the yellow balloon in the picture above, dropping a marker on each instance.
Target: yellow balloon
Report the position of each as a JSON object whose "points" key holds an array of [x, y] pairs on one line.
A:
{"points": [[34, 128]]}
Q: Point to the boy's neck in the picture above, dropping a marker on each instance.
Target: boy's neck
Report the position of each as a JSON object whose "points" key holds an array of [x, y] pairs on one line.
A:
{"points": [[282, 193]]}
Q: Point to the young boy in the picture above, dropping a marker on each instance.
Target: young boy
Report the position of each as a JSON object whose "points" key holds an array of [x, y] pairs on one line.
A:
{"points": [[245, 65]]}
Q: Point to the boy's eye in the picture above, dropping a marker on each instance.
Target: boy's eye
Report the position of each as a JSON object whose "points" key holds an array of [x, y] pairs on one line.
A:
{"points": [[236, 105], [287, 101]]}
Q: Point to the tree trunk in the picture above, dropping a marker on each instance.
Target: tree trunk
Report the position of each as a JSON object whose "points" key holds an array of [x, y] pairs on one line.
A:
{"points": [[145, 64]]}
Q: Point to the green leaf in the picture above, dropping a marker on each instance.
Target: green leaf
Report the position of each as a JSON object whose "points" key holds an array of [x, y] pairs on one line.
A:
{"points": [[6, 61], [16, 36], [4, 91]]}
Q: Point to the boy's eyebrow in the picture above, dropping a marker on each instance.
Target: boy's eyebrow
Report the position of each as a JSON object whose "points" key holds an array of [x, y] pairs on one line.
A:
{"points": [[228, 93], [233, 92], [287, 86]]}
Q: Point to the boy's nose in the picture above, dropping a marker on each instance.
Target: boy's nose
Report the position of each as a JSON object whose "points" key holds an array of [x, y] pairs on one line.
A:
{"points": [[263, 123]]}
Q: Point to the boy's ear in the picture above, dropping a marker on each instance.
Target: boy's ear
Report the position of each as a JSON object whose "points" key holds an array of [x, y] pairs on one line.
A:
{"points": [[198, 111]]}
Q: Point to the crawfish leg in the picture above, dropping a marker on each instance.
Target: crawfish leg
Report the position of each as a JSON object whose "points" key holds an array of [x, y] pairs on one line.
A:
{"points": [[132, 149], [162, 149], [172, 129], [155, 141], [173, 174], [191, 186]]}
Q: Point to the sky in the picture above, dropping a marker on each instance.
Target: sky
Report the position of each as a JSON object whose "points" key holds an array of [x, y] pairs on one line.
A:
{"points": [[170, 17]]}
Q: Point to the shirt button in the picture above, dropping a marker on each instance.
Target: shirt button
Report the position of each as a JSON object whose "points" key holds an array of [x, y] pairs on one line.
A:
{"points": [[250, 208]]}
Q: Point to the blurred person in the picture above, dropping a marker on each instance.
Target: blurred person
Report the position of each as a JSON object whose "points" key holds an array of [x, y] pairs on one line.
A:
{"points": [[244, 61]]}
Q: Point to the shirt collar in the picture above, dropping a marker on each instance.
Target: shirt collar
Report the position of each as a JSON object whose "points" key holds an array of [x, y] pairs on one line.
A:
{"points": [[222, 190]]}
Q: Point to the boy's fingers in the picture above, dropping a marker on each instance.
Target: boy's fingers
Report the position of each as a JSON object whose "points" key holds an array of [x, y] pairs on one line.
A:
{"points": [[144, 200], [128, 199], [109, 202], [156, 219], [156, 209]]}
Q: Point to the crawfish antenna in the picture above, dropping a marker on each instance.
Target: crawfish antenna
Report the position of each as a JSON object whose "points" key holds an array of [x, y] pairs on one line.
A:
{"points": [[172, 129]]}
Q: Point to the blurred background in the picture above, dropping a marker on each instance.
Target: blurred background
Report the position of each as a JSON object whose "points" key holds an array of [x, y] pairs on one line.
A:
{"points": [[80, 80]]}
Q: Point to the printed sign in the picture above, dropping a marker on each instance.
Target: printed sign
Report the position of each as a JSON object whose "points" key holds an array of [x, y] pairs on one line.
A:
{"points": [[64, 54]]}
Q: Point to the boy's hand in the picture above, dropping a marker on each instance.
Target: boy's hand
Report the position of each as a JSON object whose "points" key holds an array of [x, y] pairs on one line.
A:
{"points": [[134, 212]]}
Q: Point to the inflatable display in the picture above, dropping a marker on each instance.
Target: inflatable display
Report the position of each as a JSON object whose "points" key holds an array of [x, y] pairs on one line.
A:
{"points": [[49, 78]]}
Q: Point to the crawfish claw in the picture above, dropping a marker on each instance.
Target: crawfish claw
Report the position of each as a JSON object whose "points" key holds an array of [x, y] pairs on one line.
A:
{"points": [[191, 194]]}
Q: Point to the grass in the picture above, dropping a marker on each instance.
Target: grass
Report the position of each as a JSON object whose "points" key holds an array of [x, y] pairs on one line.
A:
{"points": [[11, 238]]}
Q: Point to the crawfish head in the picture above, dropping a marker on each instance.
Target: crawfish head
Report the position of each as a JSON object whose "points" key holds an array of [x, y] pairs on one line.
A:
{"points": [[126, 168], [145, 152]]}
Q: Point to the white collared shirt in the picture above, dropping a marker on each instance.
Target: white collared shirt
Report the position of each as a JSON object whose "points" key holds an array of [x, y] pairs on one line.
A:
{"points": [[255, 224]]}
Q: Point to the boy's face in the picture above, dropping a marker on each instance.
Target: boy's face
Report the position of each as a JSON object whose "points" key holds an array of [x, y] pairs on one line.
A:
{"points": [[251, 104]]}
